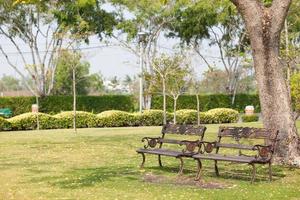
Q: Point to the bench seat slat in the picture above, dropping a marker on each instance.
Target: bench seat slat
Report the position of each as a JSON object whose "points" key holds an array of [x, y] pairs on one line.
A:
{"points": [[165, 152], [235, 146], [230, 158]]}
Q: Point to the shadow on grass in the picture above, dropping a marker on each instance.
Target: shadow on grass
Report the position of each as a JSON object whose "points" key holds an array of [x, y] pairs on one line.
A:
{"points": [[229, 171], [88, 177]]}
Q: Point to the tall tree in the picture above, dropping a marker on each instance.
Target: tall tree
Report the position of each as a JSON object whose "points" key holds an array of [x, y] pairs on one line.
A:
{"points": [[64, 74], [264, 23], [41, 28], [149, 16], [223, 28]]}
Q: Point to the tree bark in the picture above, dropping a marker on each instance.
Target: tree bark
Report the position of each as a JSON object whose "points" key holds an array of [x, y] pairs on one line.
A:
{"points": [[174, 109], [198, 109], [165, 101], [74, 99], [264, 25]]}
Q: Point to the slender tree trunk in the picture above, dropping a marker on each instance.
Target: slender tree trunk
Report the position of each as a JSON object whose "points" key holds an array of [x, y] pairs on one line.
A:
{"points": [[74, 100], [164, 101], [264, 25], [174, 109], [37, 113], [198, 110]]}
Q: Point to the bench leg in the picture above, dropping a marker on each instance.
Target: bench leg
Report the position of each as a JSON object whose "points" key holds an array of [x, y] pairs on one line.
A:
{"points": [[159, 161], [181, 166], [216, 168], [270, 171], [198, 176], [143, 162], [253, 172]]}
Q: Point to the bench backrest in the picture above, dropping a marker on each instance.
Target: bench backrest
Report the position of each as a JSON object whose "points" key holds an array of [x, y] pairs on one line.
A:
{"points": [[184, 129], [246, 132]]}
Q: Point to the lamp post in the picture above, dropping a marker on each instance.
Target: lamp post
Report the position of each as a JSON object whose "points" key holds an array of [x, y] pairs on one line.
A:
{"points": [[142, 40]]}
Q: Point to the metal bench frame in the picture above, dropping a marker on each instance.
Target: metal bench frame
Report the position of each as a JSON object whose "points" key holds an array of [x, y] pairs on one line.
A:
{"points": [[154, 145], [264, 152]]}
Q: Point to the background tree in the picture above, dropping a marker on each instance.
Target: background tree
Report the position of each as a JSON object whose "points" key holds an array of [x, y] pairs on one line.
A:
{"points": [[64, 73], [44, 27], [264, 23], [224, 29], [166, 70], [150, 16], [9, 83], [178, 82]]}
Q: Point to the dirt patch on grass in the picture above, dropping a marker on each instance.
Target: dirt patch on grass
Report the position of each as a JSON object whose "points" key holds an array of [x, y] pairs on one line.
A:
{"points": [[185, 181]]}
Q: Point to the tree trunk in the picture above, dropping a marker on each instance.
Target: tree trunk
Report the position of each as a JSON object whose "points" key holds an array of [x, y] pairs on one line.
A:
{"points": [[37, 113], [74, 100], [165, 101], [264, 26], [198, 110], [174, 109]]}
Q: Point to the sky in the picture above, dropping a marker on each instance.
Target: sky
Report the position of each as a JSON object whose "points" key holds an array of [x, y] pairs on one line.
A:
{"points": [[111, 61]]}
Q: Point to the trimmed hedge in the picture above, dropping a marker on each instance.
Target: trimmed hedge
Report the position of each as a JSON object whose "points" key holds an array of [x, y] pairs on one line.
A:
{"points": [[214, 116], [97, 104], [28, 121], [56, 104], [83, 119], [153, 118], [208, 102], [223, 115], [115, 118], [250, 118], [4, 124]]}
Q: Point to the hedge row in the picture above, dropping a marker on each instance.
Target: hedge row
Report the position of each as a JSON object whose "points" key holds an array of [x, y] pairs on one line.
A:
{"points": [[208, 102], [56, 104], [114, 118]]}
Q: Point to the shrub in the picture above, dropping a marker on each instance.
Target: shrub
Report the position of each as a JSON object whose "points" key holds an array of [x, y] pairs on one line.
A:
{"points": [[56, 104], [83, 119], [186, 116], [153, 118], [295, 91], [4, 125], [28, 121], [250, 118], [222, 115], [117, 118], [208, 102]]}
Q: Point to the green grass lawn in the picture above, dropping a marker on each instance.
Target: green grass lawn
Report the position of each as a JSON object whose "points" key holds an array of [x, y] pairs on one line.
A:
{"points": [[103, 164]]}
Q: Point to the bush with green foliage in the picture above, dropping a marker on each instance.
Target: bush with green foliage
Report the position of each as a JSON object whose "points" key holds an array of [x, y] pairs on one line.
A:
{"points": [[57, 104], [117, 118], [217, 115], [83, 119], [153, 118], [186, 116], [223, 115], [208, 102], [28, 121], [295, 91], [4, 124], [250, 118]]}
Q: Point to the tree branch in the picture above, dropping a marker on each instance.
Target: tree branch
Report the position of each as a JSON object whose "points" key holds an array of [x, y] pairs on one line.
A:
{"points": [[279, 10]]}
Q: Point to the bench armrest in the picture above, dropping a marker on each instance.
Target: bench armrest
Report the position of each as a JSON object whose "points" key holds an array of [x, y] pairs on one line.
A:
{"points": [[151, 141], [207, 147], [190, 146], [264, 151]]}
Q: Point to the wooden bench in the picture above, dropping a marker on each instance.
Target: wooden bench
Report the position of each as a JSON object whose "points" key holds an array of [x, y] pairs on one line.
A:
{"points": [[155, 145], [263, 156]]}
